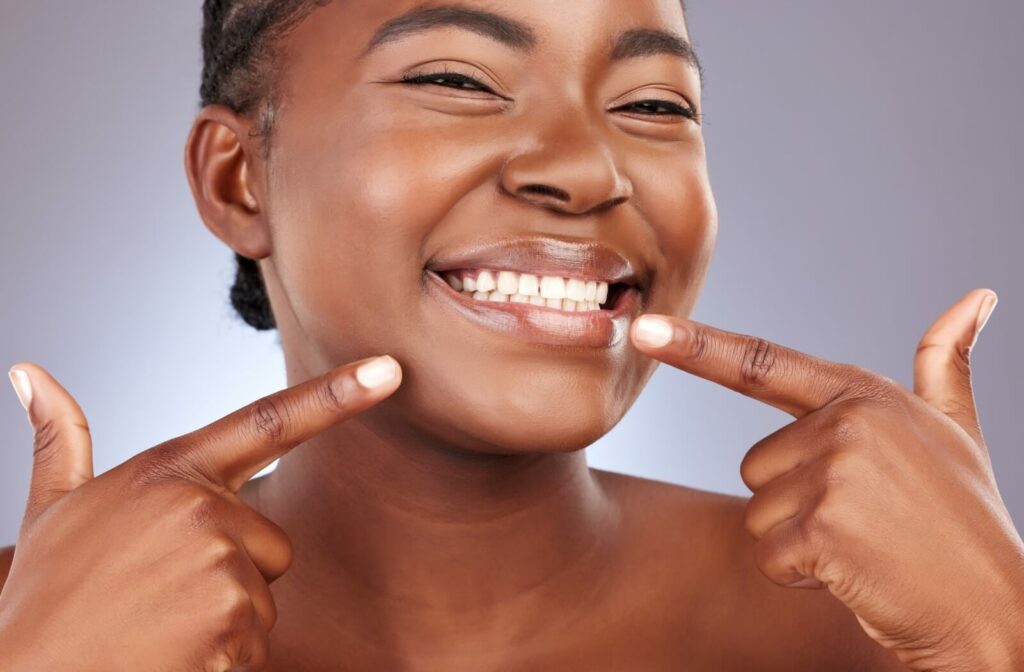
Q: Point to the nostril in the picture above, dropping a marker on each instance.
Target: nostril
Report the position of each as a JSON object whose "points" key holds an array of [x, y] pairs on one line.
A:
{"points": [[545, 190]]}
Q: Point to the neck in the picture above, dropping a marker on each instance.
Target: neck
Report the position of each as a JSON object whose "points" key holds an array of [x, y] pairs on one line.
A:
{"points": [[407, 527]]}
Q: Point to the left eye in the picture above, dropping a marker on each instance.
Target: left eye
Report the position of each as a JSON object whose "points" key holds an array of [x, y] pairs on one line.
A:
{"points": [[659, 108]]}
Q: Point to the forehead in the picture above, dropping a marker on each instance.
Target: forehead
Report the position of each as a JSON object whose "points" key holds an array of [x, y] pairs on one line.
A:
{"points": [[570, 27]]}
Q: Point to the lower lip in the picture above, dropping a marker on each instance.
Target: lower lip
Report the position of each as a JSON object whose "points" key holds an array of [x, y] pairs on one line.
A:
{"points": [[538, 324]]}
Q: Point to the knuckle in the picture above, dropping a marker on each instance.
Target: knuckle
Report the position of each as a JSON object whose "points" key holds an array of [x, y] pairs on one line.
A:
{"points": [[330, 393], [202, 508], [45, 442], [234, 609], [160, 464], [759, 362], [872, 386], [223, 553], [822, 521], [267, 419], [848, 426], [700, 341], [812, 527]]}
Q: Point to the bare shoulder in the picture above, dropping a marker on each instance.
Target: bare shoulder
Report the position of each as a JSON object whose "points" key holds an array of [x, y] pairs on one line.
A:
{"points": [[745, 621], [6, 558]]}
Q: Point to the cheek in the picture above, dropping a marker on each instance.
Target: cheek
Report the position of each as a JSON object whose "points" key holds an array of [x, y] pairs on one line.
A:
{"points": [[351, 214], [680, 206]]}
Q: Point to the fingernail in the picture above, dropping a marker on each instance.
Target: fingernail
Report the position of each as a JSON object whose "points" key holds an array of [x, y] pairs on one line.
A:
{"points": [[377, 372], [22, 386], [809, 582], [988, 304], [653, 331]]}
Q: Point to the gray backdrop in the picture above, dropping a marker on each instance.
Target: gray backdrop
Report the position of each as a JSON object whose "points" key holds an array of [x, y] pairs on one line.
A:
{"points": [[866, 158]]}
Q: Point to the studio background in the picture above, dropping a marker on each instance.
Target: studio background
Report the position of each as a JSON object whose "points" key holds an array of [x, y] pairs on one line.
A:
{"points": [[865, 157]]}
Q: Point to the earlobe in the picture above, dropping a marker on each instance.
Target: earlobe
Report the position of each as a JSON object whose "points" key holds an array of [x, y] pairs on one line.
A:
{"points": [[224, 183]]}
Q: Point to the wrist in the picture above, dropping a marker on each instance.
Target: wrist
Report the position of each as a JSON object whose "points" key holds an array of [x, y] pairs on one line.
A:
{"points": [[1003, 649], [991, 632]]}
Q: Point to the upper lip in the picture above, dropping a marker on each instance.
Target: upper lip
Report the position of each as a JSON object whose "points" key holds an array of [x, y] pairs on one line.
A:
{"points": [[544, 255]]}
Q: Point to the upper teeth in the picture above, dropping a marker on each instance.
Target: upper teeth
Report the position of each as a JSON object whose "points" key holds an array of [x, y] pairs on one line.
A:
{"points": [[544, 290]]}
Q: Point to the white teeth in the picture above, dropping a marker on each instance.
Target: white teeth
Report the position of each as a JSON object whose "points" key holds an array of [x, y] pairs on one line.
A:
{"points": [[576, 289], [485, 282], [529, 285], [552, 287], [508, 282], [569, 294]]}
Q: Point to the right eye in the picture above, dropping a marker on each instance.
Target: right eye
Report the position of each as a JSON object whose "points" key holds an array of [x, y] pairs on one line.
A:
{"points": [[451, 80]]}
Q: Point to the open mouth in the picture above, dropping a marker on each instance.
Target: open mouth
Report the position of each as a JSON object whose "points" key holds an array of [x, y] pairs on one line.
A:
{"points": [[544, 289], [556, 292]]}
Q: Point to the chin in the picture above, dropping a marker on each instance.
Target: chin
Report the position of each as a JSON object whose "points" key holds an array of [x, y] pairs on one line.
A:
{"points": [[525, 418]]}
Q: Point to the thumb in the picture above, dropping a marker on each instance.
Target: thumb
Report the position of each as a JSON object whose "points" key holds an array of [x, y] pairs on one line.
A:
{"points": [[62, 445], [942, 370]]}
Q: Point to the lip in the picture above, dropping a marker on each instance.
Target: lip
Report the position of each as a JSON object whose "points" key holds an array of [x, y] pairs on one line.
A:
{"points": [[594, 329], [549, 255]]}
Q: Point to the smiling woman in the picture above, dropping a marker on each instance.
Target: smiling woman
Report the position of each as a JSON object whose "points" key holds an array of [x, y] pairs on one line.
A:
{"points": [[477, 228]]}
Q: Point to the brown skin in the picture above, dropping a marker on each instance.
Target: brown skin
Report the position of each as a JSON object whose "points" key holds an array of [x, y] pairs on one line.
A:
{"points": [[455, 526]]}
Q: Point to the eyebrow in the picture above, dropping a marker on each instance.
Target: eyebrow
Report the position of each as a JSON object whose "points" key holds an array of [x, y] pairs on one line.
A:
{"points": [[520, 37]]}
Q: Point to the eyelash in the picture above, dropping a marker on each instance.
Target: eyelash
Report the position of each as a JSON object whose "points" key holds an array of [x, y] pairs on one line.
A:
{"points": [[475, 85]]}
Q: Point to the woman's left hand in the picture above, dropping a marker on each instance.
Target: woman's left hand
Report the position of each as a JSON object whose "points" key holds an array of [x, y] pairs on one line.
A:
{"points": [[885, 496]]}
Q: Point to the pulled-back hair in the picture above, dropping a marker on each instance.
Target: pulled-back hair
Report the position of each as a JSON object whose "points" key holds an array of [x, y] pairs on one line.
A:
{"points": [[240, 71]]}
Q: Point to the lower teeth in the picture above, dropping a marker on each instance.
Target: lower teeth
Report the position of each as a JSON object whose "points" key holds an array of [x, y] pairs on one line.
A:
{"points": [[562, 304]]}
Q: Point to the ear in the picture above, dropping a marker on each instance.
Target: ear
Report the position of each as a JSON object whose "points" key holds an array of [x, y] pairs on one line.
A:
{"points": [[223, 166]]}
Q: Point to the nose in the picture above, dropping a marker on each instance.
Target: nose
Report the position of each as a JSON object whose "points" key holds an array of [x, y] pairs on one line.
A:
{"points": [[572, 170]]}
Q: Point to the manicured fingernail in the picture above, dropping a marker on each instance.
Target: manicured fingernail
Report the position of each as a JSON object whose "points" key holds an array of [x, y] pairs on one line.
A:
{"points": [[988, 304], [653, 331], [377, 372], [22, 386]]}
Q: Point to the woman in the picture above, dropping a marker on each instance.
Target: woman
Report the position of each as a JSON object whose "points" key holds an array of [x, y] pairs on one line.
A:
{"points": [[493, 196]]}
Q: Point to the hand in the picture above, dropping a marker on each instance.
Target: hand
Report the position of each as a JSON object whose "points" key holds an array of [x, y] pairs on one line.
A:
{"points": [[157, 564], [885, 496]]}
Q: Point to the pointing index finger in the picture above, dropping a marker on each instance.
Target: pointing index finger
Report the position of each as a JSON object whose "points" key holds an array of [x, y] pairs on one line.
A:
{"points": [[787, 379], [233, 449]]}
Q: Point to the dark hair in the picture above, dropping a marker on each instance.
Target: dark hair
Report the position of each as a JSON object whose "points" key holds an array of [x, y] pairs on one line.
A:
{"points": [[240, 71]]}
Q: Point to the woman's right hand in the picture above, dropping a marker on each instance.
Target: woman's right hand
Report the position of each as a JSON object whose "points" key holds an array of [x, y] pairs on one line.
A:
{"points": [[157, 564]]}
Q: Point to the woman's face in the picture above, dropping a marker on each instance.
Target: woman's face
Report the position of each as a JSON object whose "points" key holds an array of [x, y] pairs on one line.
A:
{"points": [[550, 164]]}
